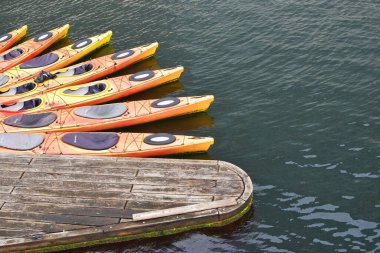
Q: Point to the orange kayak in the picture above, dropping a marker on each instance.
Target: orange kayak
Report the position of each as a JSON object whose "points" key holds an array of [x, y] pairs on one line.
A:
{"points": [[103, 144], [31, 48], [9, 39], [92, 93], [80, 73], [104, 117], [51, 61]]}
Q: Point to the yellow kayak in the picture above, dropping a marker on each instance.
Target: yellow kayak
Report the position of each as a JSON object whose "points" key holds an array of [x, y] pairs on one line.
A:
{"points": [[103, 144], [54, 60], [83, 72], [9, 39], [31, 48]]}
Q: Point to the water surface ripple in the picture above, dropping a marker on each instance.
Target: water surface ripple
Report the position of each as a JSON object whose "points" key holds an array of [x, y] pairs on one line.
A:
{"points": [[297, 106]]}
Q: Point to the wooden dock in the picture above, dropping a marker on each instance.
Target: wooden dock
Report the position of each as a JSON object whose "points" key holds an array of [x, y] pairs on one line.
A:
{"points": [[52, 203]]}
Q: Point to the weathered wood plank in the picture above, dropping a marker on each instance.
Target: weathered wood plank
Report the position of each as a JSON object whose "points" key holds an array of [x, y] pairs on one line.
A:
{"points": [[116, 203], [23, 191], [189, 174], [11, 159], [248, 186], [129, 175], [6, 189], [208, 191], [74, 161], [69, 209], [141, 163], [48, 227], [72, 193], [112, 169], [183, 209], [59, 218], [17, 232], [12, 174], [225, 187], [116, 179], [152, 205], [119, 171], [151, 163], [54, 200], [67, 184]]}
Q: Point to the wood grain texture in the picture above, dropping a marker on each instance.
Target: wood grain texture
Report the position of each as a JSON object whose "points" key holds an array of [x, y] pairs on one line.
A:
{"points": [[62, 201]]}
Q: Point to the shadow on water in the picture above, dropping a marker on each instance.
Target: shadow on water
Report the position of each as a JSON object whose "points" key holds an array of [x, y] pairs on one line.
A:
{"points": [[139, 245], [59, 44], [194, 156], [150, 63], [177, 125], [157, 92], [23, 39], [102, 51]]}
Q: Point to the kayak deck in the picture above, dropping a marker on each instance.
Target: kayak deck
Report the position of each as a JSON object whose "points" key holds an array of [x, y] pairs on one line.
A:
{"points": [[60, 202]]}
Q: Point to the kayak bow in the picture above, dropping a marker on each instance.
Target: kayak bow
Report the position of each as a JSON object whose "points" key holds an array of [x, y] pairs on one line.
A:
{"points": [[31, 48], [92, 93], [80, 73], [103, 144], [54, 60], [9, 39], [104, 117]]}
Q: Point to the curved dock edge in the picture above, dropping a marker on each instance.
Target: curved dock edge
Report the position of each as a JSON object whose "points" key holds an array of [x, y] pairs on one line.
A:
{"points": [[130, 230], [153, 234]]}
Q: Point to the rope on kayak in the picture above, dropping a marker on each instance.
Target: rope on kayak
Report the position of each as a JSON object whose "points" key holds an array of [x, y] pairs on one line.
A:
{"points": [[46, 85], [2, 126], [141, 103], [132, 140], [43, 76], [68, 114]]}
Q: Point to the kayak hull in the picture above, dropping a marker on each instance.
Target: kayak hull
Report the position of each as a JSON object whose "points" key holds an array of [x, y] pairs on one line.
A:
{"points": [[112, 89], [62, 58], [32, 48], [136, 112], [17, 35], [101, 67], [123, 145]]}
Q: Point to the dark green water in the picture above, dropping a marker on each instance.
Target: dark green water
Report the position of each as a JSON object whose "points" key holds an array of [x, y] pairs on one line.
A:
{"points": [[297, 106]]}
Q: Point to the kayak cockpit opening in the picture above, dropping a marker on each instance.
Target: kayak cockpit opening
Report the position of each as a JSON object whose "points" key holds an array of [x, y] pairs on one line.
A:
{"points": [[22, 105], [159, 139], [81, 43], [20, 142], [31, 120], [87, 90], [122, 54], [77, 70], [107, 111], [91, 141], [142, 76], [43, 36], [26, 87], [11, 54], [5, 37], [3, 79], [166, 102], [40, 61]]}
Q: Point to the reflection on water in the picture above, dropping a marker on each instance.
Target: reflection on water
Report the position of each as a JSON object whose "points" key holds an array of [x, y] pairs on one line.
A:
{"points": [[157, 92], [59, 44], [296, 87], [177, 125], [102, 51], [150, 63], [182, 242]]}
